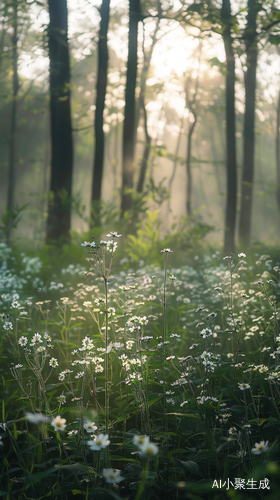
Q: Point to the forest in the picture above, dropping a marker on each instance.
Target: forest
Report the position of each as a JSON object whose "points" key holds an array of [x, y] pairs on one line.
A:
{"points": [[139, 249]]}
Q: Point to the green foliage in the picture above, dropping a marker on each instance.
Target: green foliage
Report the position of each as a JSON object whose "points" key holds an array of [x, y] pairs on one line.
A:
{"points": [[11, 218]]}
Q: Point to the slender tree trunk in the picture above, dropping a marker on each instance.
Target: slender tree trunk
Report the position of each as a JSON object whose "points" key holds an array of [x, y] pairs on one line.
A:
{"points": [[59, 210], [188, 167], [129, 113], [13, 129], [278, 153], [249, 125], [146, 154], [141, 104], [191, 106], [102, 70], [231, 199]]}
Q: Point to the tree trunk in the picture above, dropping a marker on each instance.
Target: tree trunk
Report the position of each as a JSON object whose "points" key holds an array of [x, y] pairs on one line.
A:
{"points": [[146, 154], [12, 141], [249, 125], [278, 153], [231, 199], [188, 166], [191, 106], [59, 210], [141, 105], [99, 110], [129, 113]]}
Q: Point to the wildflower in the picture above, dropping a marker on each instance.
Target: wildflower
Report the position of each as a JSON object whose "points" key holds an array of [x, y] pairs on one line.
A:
{"points": [[99, 369], [88, 244], [8, 326], [22, 341], [261, 447], [206, 332], [36, 338], [242, 255], [36, 418], [140, 440], [53, 362], [166, 250], [242, 386], [59, 423], [90, 426], [62, 399], [114, 234], [183, 403], [149, 450], [100, 441], [112, 475], [111, 311], [87, 303], [72, 433]]}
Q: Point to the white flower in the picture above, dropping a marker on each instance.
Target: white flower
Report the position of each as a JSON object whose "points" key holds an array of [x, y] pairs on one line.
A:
{"points": [[112, 475], [100, 441], [242, 255], [36, 418], [62, 399], [115, 235], [148, 450], [8, 325], [87, 303], [166, 250], [53, 362], [242, 386], [90, 426], [140, 440], [36, 338], [23, 341], [59, 423], [261, 447]]}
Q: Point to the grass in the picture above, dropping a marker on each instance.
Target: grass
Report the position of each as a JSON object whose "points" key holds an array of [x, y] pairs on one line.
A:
{"points": [[147, 381]]}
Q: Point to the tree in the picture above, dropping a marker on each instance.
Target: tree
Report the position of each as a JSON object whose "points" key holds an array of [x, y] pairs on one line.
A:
{"points": [[231, 198], [99, 109], [251, 49], [12, 141], [129, 113], [191, 104], [59, 210]]}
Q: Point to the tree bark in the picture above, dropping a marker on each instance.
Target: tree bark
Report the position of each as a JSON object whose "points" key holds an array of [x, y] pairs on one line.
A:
{"points": [[101, 85], [250, 37], [12, 141], [129, 113], [191, 106], [141, 104], [231, 197], [278, 153], [59, 210]]}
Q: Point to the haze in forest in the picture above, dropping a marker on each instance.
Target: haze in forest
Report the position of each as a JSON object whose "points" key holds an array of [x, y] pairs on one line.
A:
{"points": [[180, 111]]}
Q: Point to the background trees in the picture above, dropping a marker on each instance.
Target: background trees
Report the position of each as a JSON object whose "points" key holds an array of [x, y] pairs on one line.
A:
{"points": [[141, 113]]}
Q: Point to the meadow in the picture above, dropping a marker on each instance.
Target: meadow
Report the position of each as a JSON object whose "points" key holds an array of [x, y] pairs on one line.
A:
{"points": [[132, 379]]}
